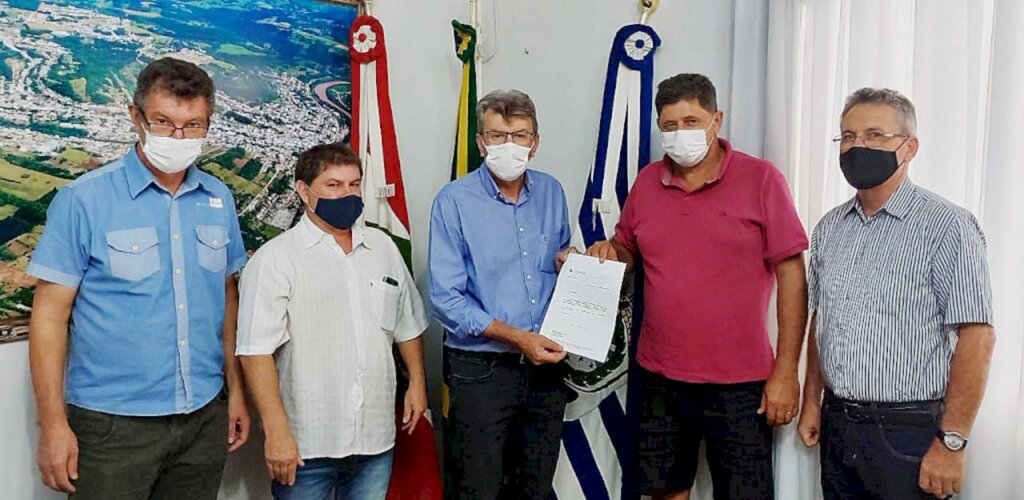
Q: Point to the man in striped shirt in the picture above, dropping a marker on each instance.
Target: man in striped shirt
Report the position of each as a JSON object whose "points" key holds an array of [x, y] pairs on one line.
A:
{"points": [[901, 336]]}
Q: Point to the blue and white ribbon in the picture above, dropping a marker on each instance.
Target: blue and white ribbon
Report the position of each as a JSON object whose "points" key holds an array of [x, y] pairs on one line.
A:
{"points": [[596, 436], [624, 139]]}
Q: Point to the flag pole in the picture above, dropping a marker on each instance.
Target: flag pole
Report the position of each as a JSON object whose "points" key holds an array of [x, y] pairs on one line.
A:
{"points": [[474, 21], [647, 7]]}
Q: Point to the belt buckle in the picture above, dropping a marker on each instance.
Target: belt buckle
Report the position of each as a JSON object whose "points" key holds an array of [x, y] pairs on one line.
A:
{"points": [[855, 412]]}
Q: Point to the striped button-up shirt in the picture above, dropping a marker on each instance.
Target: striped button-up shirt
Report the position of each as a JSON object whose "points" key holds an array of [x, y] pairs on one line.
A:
{"points": [[890, 291]]}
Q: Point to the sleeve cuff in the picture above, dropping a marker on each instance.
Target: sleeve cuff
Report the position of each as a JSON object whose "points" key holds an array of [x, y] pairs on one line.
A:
{"points": [[410, 334], [54, 276], [789, 252], [477, 323], [256, 350], [238, 264]]}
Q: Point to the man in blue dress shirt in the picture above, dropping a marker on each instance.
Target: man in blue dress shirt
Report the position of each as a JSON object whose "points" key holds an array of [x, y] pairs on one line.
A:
{"points": [[494, 237], [139, 255]]}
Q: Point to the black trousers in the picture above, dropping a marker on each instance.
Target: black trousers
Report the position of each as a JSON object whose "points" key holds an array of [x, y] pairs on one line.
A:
{"points": [[169, 457], [874, 450], [503, 428]]}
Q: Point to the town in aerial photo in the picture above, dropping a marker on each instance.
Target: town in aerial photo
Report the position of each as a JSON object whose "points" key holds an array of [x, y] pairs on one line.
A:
{"points": [[67, 74]]}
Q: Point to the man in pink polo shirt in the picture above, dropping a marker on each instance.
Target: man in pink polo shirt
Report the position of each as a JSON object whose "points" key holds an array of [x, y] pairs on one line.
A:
{"points": [[715, 230]]}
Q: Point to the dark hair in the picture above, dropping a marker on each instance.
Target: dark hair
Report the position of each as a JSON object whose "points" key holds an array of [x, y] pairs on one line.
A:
{"points": [[509, 104], [684, 87], [315, 160], [181, 79]]}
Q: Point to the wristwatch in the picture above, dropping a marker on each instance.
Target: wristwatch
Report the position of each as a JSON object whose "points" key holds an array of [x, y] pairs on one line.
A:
{"points": [[952, 440]]}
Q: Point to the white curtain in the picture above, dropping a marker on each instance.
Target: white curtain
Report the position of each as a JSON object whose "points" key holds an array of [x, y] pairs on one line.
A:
{"points": [[962, 64]]}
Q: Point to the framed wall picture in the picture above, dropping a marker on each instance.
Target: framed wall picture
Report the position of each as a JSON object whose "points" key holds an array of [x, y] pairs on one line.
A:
{"points": [[67, 74]]}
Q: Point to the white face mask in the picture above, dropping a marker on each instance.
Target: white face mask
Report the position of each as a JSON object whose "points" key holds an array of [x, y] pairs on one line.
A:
{"points": [[507, 161], [686, 147], [171, 155]]}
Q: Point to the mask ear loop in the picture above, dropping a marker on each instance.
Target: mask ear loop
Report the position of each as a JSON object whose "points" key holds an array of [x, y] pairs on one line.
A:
{"points": [[900, 164]]}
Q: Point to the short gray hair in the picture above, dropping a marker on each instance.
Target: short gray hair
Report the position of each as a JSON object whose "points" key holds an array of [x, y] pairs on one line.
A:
{"points": [[509, 104], [895, 100]]}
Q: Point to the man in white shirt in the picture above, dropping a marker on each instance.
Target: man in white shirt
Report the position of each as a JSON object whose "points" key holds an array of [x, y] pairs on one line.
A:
{"points": [[320, 307]]}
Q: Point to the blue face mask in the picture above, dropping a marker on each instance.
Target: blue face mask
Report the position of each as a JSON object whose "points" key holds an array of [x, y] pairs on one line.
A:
{"points": [[340, 212]]}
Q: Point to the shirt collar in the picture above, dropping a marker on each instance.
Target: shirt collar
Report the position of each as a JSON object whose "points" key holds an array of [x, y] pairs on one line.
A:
{"points": [[491, 186], [667, 175], [139, 177], [898, 205], [310, 234]]}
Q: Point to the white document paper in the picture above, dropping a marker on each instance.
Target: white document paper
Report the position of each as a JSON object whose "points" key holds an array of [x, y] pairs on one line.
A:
{"points": [[584, 306]]}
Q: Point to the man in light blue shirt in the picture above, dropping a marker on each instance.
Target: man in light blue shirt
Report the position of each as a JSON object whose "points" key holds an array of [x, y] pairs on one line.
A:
{"points": [[140, 255], [494, 237]]}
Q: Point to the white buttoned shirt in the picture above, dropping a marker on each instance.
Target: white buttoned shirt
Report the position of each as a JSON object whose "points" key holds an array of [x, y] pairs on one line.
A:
{"points": [[329, 319]]}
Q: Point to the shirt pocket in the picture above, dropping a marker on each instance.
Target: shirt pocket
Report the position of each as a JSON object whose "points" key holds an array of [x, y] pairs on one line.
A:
{"points": [[213, 247], [547, 248], [134, 253], [387, 301]]}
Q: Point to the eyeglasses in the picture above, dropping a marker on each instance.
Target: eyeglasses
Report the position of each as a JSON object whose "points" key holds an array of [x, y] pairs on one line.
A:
{"points": [[496, 137], [164, 128], [871, 138]]}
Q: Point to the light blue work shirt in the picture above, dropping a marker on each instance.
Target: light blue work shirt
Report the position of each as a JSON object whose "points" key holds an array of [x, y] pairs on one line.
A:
{"points": [[494, 259], [150, 270]]}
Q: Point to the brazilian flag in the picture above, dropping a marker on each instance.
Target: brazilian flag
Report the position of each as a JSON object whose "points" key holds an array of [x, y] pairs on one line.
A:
{"points": [[467, 156]]}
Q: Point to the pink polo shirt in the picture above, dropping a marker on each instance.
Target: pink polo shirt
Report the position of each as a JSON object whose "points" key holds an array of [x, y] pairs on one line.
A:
{"points": [[708, 258]]}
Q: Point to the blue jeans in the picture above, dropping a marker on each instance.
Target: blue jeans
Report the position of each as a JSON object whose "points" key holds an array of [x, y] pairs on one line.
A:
{"points": [[356, 477]]}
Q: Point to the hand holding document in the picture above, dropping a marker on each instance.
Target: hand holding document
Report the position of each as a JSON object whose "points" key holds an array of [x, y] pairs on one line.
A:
{"points": [[584, 306]]}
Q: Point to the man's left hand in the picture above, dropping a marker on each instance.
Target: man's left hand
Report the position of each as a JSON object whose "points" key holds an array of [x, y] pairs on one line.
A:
{"points": [[781, 397], [942, 471], [561, 257], [238, 419], [415, 406]]}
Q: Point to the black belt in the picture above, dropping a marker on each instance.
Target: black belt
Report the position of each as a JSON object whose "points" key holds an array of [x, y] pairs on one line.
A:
{"points": [[909, 413], [501, 357]]}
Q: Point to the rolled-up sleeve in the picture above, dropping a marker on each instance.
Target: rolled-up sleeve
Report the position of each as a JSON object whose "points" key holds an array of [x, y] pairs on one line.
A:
{"points": [[457, 311], [960, 274], [262, 307], [62, 255]]}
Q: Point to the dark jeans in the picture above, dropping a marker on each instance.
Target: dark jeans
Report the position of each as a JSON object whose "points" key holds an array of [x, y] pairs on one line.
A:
{"points": [[677, 416], [874, 450], [504, 426], [169, 457]]}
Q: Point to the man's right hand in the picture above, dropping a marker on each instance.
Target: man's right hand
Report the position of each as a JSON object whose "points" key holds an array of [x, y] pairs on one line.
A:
{"points": [[810, 423], [540, 349], [282, 454], [603, 250], [58, 457]]}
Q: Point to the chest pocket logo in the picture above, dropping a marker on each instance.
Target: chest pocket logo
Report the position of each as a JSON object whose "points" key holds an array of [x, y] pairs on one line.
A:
{"points": [[213, 247], [134, 253]]}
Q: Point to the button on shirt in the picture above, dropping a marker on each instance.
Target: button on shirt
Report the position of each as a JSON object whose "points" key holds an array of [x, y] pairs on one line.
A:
{"points": [[331, 319], [890, 291], [150, 269], [494, 259], [709, 257]]}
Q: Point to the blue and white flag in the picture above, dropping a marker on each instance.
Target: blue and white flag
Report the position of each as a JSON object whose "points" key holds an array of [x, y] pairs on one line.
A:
{"points": [[596, 437]]}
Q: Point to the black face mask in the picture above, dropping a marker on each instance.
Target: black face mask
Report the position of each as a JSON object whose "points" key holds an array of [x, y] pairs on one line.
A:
{"points": [[866, 168], [340, 212]]}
